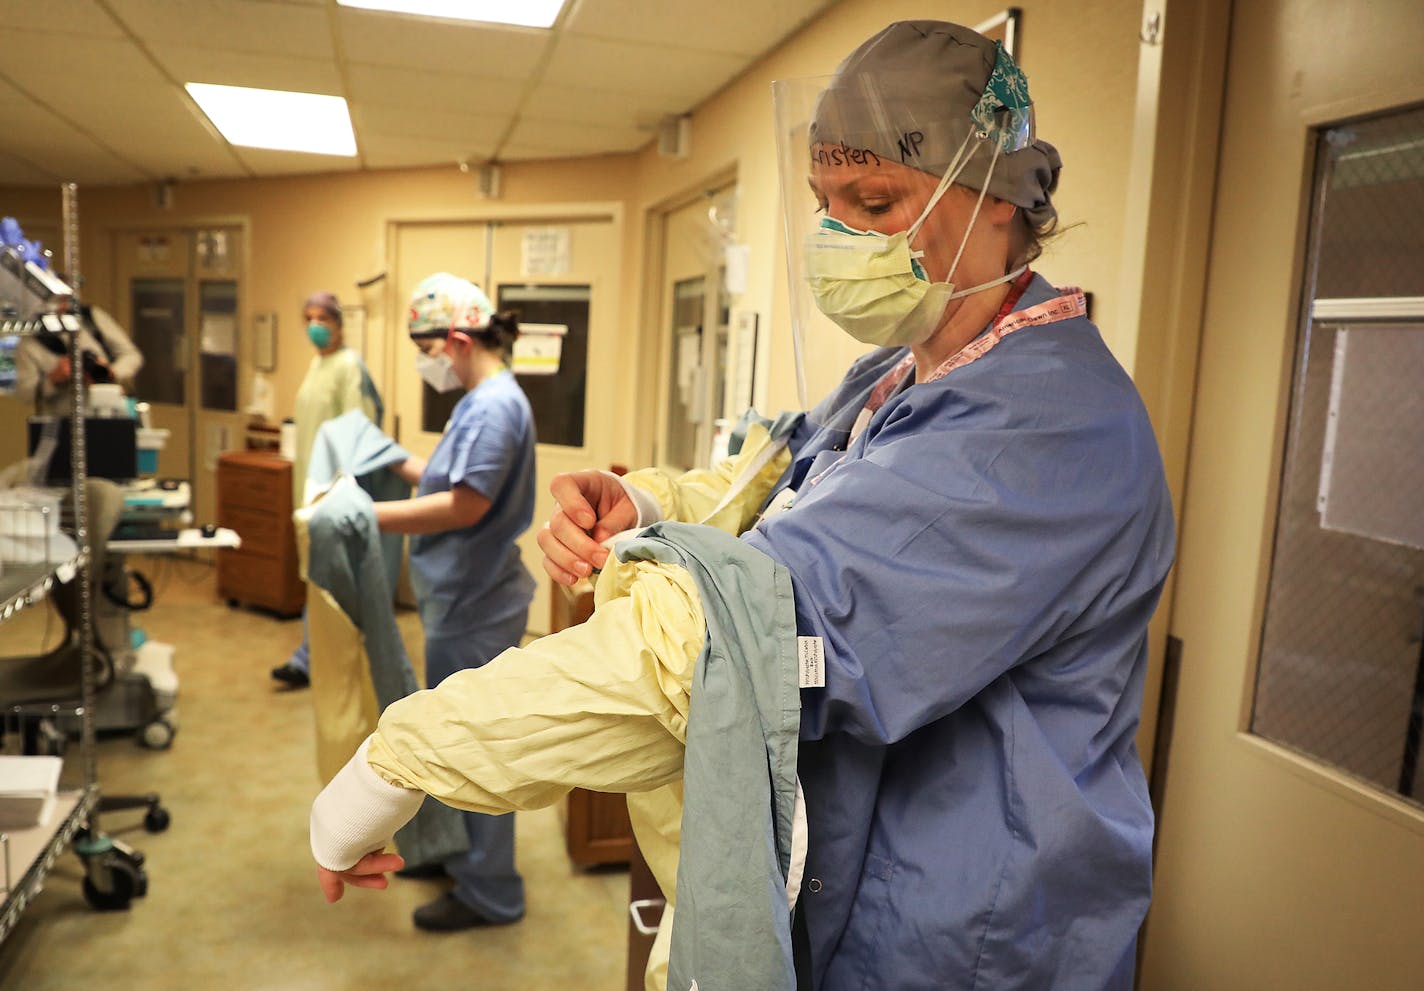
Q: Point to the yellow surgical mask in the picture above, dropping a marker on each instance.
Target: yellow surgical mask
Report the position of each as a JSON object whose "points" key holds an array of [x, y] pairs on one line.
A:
{"points": [[873, 285]]}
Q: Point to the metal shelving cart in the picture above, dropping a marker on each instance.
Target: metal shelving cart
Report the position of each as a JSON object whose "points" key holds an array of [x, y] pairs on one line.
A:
{"points": [[114, 872]]}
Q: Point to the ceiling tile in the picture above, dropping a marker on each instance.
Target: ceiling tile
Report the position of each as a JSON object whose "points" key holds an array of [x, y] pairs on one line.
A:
{"points": [[241, 25], [187, 163], [553, 101], [563, 139], [34, 59], [418, 90], [71, 156], [229, 68], [18, 172], [9, 94], [448, 46], [421, 92], [272, 163], [174, 144], [685, 78], [31, 131], [729, 28], [166, 138], [402, 122], [386, 152], [72, 17], [121, 103]]}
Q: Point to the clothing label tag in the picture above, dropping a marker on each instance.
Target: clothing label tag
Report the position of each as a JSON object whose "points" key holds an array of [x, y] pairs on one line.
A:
{"points": [[812, 657]]}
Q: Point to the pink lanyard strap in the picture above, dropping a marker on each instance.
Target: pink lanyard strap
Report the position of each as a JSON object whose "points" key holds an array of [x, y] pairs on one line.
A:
{"points": [[1066, 306]]}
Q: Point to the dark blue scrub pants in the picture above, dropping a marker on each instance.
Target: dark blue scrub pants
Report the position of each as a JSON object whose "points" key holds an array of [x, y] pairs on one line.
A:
{"points": [[485, 876]]}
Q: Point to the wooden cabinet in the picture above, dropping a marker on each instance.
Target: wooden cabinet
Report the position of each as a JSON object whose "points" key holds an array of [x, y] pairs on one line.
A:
{"points": [[255, 499], [596, 827]]}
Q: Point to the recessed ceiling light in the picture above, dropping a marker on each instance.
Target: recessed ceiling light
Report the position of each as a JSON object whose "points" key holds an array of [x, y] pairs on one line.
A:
{"points": [[277, 119], [521, 13]]}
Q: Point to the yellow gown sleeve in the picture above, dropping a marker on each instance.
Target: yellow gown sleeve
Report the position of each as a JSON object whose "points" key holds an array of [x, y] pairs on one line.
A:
{"points": [[688, 497], [352, 396], [601, 706]]}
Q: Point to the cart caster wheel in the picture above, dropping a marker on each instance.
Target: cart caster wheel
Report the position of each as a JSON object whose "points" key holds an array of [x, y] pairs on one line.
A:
{"points": [[157, 735], [232, 603], [127, 882], [156, 819]]}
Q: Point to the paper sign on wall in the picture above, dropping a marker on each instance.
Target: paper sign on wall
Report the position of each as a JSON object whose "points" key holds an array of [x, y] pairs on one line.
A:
{"points": [[538, 348], [545, 251], [737, 259]]}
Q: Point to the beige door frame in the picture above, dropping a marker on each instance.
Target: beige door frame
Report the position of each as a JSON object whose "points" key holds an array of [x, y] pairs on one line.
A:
{"points": [[1273, 870]]}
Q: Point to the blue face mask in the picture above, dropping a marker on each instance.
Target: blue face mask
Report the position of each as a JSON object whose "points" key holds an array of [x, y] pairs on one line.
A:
{"points": [[320, 335]]}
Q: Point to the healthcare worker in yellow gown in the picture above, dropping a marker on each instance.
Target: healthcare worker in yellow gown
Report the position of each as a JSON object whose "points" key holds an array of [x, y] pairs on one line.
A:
{"points": [[337, 381]]}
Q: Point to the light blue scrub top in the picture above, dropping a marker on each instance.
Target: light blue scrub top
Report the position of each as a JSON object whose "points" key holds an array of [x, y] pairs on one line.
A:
{"points": [[473, 576], [981, 564]]}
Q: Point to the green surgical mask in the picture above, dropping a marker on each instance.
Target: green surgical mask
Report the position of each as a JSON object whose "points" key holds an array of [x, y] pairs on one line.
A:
{"points": [[320, 335]]}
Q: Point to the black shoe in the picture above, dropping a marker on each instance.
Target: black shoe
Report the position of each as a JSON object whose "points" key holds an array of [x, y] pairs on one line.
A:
{"points": [[291, 676], [448, 914], [422, 871]]}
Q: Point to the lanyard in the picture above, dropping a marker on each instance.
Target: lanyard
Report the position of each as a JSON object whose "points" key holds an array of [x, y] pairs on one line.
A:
{"points": [[1063, 307]]}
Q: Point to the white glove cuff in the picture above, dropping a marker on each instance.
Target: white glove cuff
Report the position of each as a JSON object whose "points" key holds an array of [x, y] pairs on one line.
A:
{"points": [[649, 512], [357, 813]]}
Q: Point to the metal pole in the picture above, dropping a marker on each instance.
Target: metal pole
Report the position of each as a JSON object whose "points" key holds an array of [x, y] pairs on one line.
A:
{"points": [[69, 209], [77, 466]]}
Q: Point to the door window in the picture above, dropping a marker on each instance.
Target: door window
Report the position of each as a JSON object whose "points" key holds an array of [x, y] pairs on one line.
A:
{"points": [[158, 332], [218, 339], [557, 388], [1341, 672]]}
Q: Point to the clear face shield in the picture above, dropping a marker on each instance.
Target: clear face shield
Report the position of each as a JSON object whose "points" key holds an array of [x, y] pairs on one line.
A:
{"points": [[872, 246]]}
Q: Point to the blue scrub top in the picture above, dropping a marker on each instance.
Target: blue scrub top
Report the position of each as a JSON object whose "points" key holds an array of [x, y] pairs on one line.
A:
{"points": [[473, 576], [981, 564]]}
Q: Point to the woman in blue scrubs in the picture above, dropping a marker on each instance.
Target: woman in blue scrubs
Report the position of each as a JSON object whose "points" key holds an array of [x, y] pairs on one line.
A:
{"points": [[475, 496], [974, 528]]}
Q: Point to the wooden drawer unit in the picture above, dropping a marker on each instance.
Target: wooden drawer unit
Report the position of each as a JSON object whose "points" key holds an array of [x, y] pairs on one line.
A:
{"points": [[255, 500], [255, 480], [262, 532]]}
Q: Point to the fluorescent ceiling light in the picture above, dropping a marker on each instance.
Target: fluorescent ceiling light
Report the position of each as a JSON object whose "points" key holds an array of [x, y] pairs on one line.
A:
{"points": [[277, 119], [521, 13]]}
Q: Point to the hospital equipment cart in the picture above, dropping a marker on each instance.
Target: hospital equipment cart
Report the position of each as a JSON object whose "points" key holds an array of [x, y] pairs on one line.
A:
{"points": [[114, 872]]}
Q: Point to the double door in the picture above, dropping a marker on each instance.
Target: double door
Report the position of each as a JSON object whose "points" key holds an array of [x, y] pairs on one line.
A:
{"points": [[179, 293]]}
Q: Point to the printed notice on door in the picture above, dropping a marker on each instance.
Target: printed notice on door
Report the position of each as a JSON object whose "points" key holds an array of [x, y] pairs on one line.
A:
{"points": [[545, 251]]}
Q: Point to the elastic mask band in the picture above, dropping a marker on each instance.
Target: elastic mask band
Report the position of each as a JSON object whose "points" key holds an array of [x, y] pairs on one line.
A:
{"points": [[990, 284], [956, 166], [949, 277]]}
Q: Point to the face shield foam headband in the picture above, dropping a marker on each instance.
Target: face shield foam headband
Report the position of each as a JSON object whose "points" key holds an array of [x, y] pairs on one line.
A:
{"points": [[873, 285]]}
